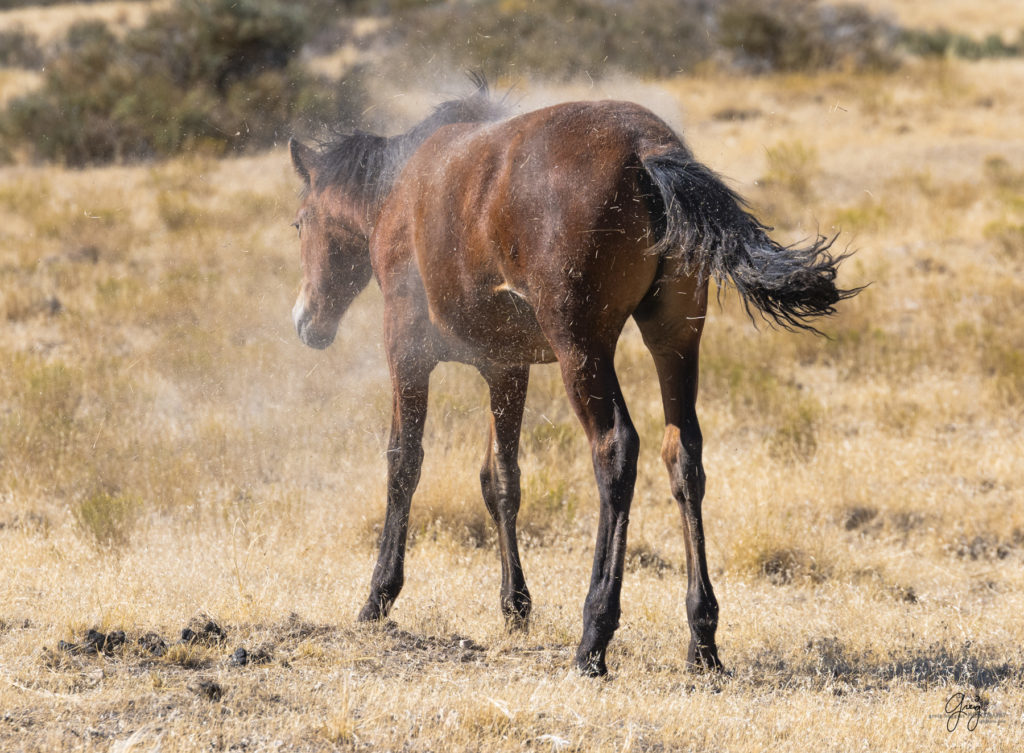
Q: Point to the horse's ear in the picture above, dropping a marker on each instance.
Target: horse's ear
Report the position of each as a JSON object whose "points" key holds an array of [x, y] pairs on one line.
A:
{"points": [[303, 159]]}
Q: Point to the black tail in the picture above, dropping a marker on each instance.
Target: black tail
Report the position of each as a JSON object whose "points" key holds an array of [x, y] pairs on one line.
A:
{"points": [[705, 225]]}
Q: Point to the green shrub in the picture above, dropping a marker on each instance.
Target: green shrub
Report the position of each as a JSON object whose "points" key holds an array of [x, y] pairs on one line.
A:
{"points": [[213, 76]]}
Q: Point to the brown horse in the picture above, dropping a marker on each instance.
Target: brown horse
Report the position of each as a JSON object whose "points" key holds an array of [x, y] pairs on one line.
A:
{"points": [[503, 242]]}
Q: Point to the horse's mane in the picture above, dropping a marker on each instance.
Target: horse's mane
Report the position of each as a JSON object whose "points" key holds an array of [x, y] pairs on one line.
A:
{"points": [[366, 165]]}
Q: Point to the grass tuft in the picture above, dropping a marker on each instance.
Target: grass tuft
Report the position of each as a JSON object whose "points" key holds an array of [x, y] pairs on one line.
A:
{"points": [[108, 518]]}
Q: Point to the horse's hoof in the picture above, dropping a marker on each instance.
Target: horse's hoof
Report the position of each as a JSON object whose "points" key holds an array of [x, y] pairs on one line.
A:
{"points": [[591, 665], [515, 623], [516, 611], [703, 659], [371, 613], [709, 668]]}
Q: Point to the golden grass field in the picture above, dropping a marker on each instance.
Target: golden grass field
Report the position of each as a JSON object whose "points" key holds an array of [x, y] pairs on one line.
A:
{"points": [[169, 449]]}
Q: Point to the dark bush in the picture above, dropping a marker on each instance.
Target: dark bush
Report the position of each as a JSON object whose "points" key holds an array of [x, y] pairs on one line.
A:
{"points": [[218, 43], [940, 42], [219, 76], [19, 49], [556, 39], [793, 35], [564, 39], [9, 4]]}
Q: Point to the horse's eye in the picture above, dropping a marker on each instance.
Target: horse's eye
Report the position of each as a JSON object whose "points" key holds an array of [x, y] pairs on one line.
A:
{"points": [[297, 227]]}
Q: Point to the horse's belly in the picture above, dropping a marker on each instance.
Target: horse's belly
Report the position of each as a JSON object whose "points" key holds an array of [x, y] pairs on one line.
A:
{"points": [[499, 327]]}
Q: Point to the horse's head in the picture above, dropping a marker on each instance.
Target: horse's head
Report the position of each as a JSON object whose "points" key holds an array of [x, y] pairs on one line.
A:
{"points": [[335, 252]]}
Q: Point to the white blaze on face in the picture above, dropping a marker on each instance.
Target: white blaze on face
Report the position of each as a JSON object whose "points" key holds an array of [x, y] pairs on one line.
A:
{"points": [[299, 312], [309, 330]]}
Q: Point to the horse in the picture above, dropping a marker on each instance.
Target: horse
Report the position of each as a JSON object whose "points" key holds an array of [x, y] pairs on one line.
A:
{"points": [[503, 241]]}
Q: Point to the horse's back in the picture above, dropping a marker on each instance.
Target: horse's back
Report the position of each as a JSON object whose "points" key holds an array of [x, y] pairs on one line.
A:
{"points": [[514, 223]]}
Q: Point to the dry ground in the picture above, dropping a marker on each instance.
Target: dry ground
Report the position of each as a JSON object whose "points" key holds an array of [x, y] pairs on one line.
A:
{"points": [[169, 449]]}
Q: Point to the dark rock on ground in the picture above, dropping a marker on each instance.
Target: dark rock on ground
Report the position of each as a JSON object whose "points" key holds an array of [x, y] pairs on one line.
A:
{"points": [[202, 629], [95, 642], [153, 643], [241, 657]]}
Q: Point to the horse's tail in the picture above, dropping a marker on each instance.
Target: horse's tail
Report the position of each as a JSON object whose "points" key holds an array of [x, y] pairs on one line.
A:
{"points": [[705, 226]]}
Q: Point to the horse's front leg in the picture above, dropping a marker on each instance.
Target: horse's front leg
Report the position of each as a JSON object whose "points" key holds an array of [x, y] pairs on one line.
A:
{"points": [[410, 383], [499, 480]]}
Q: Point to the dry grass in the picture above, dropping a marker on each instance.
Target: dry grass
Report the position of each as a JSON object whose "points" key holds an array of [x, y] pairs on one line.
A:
{"points": [[15, 83], [965, 16], [168, 448], [50, 23]]}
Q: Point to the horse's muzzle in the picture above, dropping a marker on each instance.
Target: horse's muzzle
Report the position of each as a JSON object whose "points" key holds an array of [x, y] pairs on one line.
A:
{"points": [[305, 326]]}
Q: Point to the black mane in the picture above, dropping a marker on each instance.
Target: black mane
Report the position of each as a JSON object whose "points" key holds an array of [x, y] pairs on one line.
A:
{"points": [[366, 164]]}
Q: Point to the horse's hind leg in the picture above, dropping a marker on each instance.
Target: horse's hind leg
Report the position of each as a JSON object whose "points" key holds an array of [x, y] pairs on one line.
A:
{"points": [[593, 389], [499, 480], [671, 323], [681, 451], [410, 382]]}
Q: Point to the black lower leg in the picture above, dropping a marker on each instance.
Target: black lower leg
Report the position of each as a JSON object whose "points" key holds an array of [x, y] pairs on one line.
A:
{"points": [[500, 484], [405, 458], [389, 572], [687, 473], [615, 455]]}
